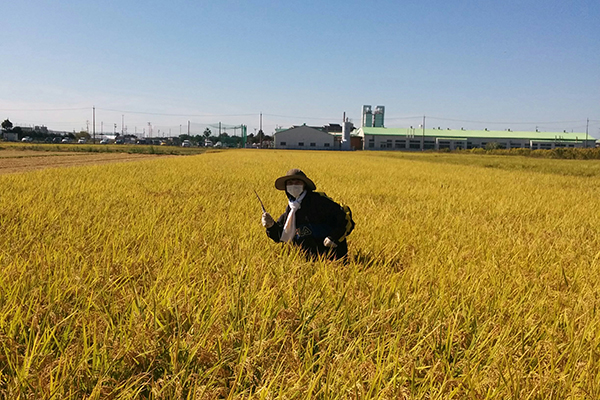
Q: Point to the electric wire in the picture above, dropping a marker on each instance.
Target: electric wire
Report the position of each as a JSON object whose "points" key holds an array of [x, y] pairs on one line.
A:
{"points": [[174, 115], [592, 122], [502, 122], [44, 109]]}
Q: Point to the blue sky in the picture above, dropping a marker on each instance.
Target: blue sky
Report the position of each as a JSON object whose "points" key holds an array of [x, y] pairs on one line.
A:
{"points": [[473, 64]]}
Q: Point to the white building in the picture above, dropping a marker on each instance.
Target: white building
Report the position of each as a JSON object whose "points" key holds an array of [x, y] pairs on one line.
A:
{"points": [[304, 138]]}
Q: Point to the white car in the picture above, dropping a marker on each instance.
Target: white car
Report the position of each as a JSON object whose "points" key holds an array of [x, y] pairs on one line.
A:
{"points": [[186, 143], [66, 140], [82, 141], [27, 139], [104, 141]]}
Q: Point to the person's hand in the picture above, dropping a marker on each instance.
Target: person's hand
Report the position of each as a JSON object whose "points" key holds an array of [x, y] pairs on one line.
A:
{"points": [[267, 220], [328, 242]]}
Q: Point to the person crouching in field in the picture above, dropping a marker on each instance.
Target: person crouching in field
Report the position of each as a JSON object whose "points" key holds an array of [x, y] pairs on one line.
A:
{"points": [[311, 220]]}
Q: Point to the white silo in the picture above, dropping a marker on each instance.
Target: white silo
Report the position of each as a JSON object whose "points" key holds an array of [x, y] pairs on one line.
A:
{"points": [[346, 128]]}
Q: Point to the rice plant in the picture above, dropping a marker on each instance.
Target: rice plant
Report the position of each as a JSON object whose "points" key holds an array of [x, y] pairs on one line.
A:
{"points": [[155, 279]]}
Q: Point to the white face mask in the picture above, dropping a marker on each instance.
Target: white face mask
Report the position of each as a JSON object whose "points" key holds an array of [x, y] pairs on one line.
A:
{"points": [[295, 190]]}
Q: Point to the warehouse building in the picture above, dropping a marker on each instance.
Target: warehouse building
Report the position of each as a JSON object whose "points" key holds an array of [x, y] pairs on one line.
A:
{"points": [[376, 138], [304, 137], [328, 137]]}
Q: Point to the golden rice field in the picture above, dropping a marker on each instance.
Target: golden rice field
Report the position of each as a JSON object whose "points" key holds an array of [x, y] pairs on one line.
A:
{"points": [[470, 277]]}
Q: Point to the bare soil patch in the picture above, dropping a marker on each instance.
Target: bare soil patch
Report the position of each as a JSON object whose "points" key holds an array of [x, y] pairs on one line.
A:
{"points": [[22, 161]]}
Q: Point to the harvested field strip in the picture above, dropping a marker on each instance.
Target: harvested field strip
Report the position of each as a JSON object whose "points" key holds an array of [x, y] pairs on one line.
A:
{"points": [[29, 153], [35, 162]]}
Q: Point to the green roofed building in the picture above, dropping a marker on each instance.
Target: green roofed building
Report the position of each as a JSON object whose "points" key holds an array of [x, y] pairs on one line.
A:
{"points": [[436, 139]]}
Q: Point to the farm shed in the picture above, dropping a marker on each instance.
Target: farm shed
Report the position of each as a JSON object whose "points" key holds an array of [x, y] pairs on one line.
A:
{"points": [[436, 139], [10, 136]]}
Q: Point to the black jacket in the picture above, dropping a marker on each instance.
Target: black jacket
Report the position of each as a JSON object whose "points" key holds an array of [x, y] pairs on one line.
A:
{"points": [[317, 218]]}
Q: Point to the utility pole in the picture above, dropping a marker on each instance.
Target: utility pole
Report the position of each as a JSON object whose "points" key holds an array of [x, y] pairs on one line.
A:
{"points": [[587, 125], [94, 122], [188, 127], [122, 124], [423, 139], [260, 132]]}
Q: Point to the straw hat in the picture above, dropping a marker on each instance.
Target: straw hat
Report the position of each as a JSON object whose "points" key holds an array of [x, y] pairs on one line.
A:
{"points": [[294, 173]]}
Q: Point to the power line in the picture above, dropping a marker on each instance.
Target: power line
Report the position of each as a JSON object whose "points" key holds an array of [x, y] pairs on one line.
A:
{"points": [[44, 109], [176, 115], [593, 122], [503, 122], [17, 121], [285, 116], [395, 118], [291, 116]]}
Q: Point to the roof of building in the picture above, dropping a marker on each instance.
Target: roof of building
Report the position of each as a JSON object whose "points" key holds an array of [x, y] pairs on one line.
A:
{"points": [[462, 134], [330, 128], [316, 128]]}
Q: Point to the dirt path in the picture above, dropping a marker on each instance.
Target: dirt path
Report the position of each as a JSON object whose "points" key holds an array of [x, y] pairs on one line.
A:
{"points": [[30, 153], [22, 161]]}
